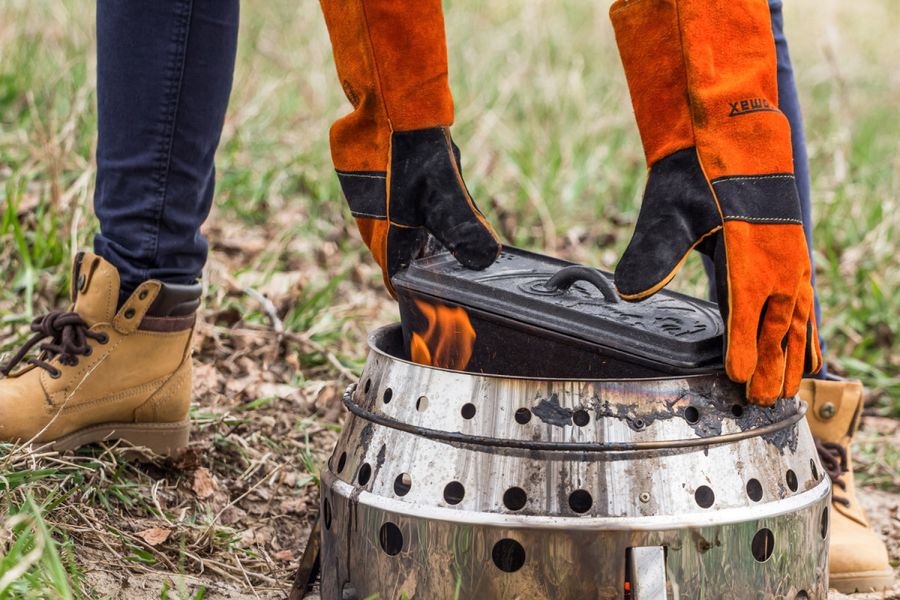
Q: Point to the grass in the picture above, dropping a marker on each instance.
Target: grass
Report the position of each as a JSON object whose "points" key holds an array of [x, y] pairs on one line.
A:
{"points": [[550, 151]]}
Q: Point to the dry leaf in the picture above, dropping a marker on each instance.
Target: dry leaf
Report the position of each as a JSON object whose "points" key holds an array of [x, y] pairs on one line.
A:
{"points": [[155, 535], [204, 484], [284, 555], [294, 505]]}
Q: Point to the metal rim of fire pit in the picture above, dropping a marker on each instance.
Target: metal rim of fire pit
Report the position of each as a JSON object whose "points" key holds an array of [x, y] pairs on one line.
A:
{"points": [[478, 440], [726, 516]]}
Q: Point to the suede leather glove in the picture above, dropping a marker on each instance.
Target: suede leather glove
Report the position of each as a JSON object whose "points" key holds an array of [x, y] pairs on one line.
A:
{"points": [[702, 77], [397, 164]]}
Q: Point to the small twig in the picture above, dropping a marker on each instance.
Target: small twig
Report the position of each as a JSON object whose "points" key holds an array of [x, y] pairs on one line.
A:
{"points": [[316, 346], [268, 307], [204, 537], [246, 577], [154, 495]]}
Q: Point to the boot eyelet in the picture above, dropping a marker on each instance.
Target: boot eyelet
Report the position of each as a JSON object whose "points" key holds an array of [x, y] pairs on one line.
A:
{"points": [[143, 295], [103, 339], [55, 374], [129, 314], [88, 351]]}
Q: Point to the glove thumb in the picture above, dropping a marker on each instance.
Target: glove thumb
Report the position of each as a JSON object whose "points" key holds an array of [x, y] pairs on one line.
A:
{"points": [[677, 213], [449, 212]]}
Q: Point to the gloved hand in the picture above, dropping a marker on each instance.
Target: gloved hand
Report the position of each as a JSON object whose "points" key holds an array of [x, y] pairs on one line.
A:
{"points": [[702, 77], [396, 162]]}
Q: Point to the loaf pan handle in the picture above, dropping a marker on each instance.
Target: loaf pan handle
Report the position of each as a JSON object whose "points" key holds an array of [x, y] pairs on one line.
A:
{"points": [[567, 276]]}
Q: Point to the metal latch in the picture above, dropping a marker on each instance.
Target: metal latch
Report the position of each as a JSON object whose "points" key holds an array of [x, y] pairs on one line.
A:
{"points": [[645, 573]]}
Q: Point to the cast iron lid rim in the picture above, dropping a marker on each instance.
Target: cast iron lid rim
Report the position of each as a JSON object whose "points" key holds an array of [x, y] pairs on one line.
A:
{"points": [[493, 310], [455, 437], [425, 277], [613, 351], [384, 330]]}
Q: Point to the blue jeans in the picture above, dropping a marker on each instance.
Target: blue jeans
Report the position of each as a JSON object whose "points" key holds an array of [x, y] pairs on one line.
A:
{"points": [[164, 73]]}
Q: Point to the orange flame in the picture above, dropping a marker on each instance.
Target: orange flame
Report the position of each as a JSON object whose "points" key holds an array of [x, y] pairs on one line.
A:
{"points": [[448, 340]]}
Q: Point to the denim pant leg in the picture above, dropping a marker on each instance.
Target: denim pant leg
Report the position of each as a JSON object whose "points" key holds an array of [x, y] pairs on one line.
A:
{"points": [[789, 103], [164, 74]]}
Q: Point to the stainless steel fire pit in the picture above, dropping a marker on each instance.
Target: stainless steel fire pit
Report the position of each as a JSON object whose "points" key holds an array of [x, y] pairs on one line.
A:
{"points": [[458, 485]]}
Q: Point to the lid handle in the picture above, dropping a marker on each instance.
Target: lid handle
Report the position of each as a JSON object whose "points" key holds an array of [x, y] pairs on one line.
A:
{"points": [[567, 276]]}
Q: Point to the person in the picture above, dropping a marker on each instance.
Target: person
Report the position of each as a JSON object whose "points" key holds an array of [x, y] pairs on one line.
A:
{"points": [[727, 176]]}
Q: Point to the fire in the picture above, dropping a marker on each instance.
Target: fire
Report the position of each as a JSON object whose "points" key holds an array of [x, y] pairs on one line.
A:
{"points": [[448, 340]]}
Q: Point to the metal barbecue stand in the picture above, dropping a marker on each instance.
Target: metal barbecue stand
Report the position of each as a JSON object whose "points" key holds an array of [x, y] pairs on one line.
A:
{"points": [[448, 484]]}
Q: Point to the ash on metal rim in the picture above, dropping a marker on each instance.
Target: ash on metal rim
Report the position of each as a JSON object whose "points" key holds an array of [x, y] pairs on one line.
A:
{"points": [[478, 440]]}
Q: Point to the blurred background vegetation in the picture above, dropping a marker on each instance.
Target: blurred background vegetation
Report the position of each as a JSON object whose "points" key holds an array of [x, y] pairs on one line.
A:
{"points": [[550, 151]]}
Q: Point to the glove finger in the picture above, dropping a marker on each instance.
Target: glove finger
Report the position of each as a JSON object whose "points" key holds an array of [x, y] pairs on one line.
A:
{"points": [[402, 245], [741, 311], [767, 380], [813, 348], [677, 213], [795, 353], [451, 215]]}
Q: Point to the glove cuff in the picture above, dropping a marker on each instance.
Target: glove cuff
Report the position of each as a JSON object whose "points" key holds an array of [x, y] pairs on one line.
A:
{"points": [[649, 43], [391, 58], [729, 52]]}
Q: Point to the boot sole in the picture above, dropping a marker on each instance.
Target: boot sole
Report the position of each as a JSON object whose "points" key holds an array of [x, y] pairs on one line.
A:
{"points": [[162, 438], [862, 581]]}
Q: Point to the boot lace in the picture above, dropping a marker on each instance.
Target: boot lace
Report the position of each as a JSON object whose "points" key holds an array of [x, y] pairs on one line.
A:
{"points": [[834, 460], [69, 334]]}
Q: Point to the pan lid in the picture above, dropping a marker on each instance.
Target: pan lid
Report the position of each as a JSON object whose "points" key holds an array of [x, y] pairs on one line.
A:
{"points": [[667, 329]]}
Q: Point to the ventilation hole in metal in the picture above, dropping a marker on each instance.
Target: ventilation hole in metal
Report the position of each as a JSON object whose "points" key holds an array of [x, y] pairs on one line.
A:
{"points": [[391, 539], [580, 501], [326, 513], [791, 479], [342, 462], [754, 490], [823, 523], [581, 417], [704, 496], [762, 545], [365, 472], [691, 414], [508, 555], [514, 498], [813, 469], [523, 415], [468, 410], [348, 592], [402, 484], [388, 394], [422, 403], [737, 410], [454, 492], [368, 386]]}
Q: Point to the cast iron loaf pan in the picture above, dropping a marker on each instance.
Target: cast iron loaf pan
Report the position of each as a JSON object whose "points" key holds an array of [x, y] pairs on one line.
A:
{"points": [[539, 316]]}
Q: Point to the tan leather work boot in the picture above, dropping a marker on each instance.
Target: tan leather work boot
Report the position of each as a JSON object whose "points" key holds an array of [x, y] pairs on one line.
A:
{"points": [[105, 374], [858, 559]]}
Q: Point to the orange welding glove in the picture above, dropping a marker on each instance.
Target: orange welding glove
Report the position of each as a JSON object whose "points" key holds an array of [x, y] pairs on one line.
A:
{"points": [[702, 77], [396, 162]]}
